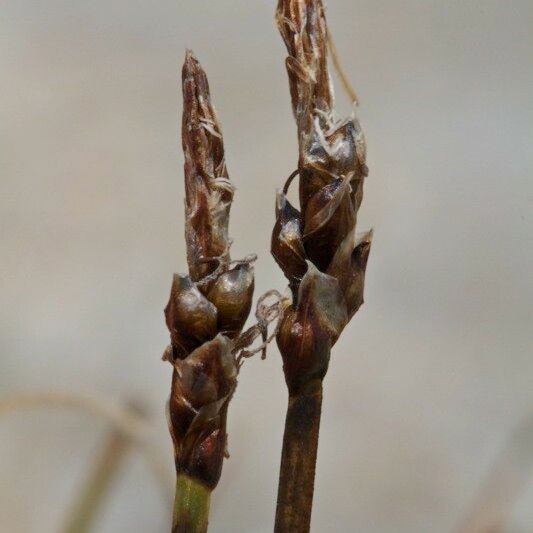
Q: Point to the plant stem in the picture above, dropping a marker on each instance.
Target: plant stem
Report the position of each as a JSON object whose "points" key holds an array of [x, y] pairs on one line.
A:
{"points": [[97, 486], [298, 459], [191, 506], [508, 476], [126, 420]]}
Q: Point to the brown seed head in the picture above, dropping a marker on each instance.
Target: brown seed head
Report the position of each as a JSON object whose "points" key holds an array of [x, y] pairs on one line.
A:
{"points": [[332, 168], [208, 307]]}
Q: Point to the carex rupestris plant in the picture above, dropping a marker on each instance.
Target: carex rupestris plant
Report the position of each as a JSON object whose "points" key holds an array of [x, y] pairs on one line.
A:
{"points": [[206, 311], [317, 248]]}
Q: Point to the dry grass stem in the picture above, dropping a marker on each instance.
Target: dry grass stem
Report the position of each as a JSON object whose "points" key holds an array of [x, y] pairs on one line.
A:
{"points": [[132, 425], [98, 483], [493, 504]]}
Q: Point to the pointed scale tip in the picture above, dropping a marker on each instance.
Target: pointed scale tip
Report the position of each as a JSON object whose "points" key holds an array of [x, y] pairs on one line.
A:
{"points": [[191, 67]]}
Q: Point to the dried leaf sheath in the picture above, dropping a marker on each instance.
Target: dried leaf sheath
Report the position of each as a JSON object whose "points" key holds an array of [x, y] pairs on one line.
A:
{"points": [[316, 247], [206, 311]]}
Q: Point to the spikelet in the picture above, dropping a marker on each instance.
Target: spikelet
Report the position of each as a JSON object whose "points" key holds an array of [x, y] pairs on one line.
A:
{"points": [[208, 306], [316, 246]]}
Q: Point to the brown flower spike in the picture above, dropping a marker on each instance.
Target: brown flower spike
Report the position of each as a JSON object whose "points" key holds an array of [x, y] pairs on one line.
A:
{"points": [[207, 308], [316, 247]]}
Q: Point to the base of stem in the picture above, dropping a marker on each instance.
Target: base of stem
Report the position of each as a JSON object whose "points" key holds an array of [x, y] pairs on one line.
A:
{"points": [[298, 459], [191, 506]]}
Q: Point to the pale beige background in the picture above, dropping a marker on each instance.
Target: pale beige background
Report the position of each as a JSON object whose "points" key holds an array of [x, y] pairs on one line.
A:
{"points": [[431, 375]]}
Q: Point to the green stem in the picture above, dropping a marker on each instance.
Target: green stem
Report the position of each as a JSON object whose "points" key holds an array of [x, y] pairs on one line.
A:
{"points": [[191, 506], [298, 460]]}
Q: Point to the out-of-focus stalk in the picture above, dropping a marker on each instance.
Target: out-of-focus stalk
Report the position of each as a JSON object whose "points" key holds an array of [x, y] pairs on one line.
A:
{"points": [[97, 486], [317, 248]]}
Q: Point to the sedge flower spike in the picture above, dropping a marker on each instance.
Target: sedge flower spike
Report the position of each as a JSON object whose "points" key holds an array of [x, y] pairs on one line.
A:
{"points": [[317, 248], [206, 311]]}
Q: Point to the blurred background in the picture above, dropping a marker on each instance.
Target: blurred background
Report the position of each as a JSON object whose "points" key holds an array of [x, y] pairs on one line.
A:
{"points": [[433, 375]]}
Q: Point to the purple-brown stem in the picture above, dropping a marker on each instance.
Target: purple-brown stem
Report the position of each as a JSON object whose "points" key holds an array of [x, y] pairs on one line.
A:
{"points": [[298, 459]]}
